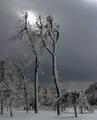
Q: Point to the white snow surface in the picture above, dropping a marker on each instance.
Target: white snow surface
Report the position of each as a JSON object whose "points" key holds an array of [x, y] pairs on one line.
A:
{"points": [[48, 115]]}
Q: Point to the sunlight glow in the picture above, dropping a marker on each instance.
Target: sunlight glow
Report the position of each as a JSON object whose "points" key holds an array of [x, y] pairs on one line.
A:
{"points": [[31, 17]]}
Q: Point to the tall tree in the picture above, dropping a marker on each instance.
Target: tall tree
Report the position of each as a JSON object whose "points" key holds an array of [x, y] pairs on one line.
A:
{"points": [[22, 84], [36, 46], [8, 82], [50, 37]]}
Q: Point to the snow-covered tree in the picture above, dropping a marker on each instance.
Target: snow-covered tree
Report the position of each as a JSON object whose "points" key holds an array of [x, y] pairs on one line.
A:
{"points": [[7, 82], [12, 83], [84, 104], [44, 34], [36, 45], [74, 99], [91, 94], [50, 38]]}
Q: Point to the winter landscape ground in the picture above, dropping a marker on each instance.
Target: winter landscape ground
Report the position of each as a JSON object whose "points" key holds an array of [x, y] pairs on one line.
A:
{"points": [[49, 115]]}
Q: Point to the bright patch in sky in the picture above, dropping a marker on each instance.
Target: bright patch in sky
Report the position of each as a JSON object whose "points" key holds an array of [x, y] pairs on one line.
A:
{"points": [[31, 17]]}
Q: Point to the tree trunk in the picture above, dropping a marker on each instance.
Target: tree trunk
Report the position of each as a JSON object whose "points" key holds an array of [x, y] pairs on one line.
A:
{"points": [[55, 77], [27, 107], [26, 98], [7, 108], [75, 110], [10, 105], [36, 85], [81, 110], [1, 107]]}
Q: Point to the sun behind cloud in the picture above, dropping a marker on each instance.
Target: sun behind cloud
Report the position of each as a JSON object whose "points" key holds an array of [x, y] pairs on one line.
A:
{"points": [[31, 17]]}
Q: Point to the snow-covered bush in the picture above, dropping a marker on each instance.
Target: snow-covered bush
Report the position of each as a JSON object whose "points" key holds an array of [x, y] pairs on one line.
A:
{"points": [[75, 99], [91, 94]]}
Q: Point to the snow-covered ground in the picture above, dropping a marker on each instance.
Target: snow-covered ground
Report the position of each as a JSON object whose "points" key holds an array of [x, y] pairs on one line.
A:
{"points": [[47, 115]]}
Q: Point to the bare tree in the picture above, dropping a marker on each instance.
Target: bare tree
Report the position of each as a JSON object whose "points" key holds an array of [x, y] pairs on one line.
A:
{"points": [[7, 83], [36, 46], [45, 31], [11, 82], [20, 75], [50, 36], [27, 87]]}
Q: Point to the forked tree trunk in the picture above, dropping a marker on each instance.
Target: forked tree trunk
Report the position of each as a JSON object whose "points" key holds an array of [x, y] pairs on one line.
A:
{"points": [[55, 77], [36, 85], [36, 73]]}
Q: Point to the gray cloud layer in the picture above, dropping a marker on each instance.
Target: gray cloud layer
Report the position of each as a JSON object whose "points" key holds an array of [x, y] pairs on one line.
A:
{"points": [[77, 50]]}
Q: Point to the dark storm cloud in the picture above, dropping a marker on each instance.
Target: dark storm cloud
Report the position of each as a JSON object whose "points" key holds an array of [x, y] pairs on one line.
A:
{"points": [[77, 49]]}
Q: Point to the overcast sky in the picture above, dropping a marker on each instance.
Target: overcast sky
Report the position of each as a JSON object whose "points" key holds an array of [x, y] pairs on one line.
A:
{"points": [[77, 49]]}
